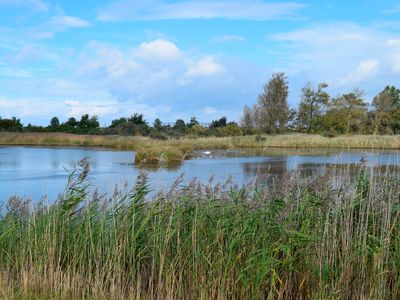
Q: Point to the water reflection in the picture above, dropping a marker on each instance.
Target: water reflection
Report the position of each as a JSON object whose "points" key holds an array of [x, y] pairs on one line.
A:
{"points": [[278, 168], [35, 172], [321, 162]]}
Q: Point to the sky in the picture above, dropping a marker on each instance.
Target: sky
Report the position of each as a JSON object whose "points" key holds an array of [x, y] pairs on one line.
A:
{"points": [[180, 58]]}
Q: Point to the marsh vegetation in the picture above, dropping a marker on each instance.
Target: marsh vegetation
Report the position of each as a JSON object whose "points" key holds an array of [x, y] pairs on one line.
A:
{"points": [[174, 151], [299, 238]]}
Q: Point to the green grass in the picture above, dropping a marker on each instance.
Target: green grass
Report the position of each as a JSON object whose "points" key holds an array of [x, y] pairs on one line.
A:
{"points": [[298, 239], [174, 151]]}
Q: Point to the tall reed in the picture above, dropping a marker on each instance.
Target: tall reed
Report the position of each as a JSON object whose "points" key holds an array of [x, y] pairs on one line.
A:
{"points": [[323, 238]]}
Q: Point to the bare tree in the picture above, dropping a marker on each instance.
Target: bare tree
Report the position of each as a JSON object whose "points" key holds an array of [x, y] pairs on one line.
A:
{"points": [[247, 120]]}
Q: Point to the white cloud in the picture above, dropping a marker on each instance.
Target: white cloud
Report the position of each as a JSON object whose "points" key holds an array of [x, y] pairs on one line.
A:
{"points": [[7, 103], [393, 42], [228, 38], [153, 68], [106, 62], [211, 113], [27, 108], [159, 49], [113, 109], [326, 34], [364, 70], [113, 81], [192, 9], [77, 109], [206, 66], [69, 22], [54, 25], [169, 84], [343, 54]]}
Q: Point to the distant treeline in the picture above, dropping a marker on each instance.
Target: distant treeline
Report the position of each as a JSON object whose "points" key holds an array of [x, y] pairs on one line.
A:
{"points": [[317, 112], [134, 125]]}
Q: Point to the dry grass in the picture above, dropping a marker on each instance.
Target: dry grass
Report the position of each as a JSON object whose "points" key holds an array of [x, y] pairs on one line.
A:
{"points": [[173, 151], [318, 141], [296, 240]]}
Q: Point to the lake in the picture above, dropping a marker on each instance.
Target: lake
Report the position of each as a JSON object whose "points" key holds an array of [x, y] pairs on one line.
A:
{"points": [[35, 172]]}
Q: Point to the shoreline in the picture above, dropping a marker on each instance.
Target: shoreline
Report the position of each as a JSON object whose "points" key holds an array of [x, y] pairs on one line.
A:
{"points": [[175, 151]]}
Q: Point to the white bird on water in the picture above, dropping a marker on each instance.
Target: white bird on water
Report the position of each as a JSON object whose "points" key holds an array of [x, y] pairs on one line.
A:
{"points": [[207, 153]]}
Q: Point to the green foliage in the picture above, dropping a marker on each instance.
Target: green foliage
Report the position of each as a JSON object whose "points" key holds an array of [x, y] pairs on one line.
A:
{"points": [[387, 111], [346, 114], [134, 125], [55, 123], [317, 113], [218, 123], [72, 122], [180, 126], [11, 125], [272, 111], [157, 125], [88, 124], [311, 107], [231, 129], [138, 120], [193, 122], [196, 130]]}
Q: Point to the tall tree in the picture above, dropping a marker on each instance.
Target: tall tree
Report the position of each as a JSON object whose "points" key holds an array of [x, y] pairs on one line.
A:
{"points": [[193, 122], [311, 107], [141, 125], [387, 111], [180, 126], [157, 125], [347, 113], [272, 107], [139, 120], [71, 122], [54, 123], [87, 124]]}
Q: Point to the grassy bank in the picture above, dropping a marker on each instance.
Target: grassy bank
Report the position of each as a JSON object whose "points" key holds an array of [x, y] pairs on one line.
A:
{"points": [[297, 240], [173, 151]]}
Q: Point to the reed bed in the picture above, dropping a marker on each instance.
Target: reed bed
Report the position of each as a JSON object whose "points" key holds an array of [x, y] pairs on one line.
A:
{"points": [[176, 150], [324, 238]]}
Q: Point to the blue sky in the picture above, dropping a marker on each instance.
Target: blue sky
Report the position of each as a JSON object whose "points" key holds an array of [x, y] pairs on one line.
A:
{"points": [[177, 59]]}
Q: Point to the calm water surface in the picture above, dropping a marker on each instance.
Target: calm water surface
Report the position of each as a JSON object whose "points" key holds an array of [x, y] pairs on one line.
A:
{"points": [[36, 172]]}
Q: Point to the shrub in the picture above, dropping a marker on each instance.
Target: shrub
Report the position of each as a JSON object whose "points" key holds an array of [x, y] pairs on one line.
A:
{"points": [[331, 133]]}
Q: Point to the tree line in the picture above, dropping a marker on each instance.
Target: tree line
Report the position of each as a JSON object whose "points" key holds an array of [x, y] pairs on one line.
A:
{"points": [[318, 112], [135, 125]]}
